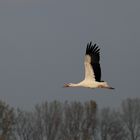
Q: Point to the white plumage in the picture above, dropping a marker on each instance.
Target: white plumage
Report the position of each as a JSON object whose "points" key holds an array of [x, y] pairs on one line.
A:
{"points": [[92, 70]]}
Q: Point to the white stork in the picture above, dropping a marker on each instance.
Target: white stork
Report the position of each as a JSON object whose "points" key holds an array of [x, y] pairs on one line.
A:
{"points": [[92, 70]]}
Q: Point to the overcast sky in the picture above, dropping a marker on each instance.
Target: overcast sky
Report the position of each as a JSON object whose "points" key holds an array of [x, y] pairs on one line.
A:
{"points": [[43, 42]]}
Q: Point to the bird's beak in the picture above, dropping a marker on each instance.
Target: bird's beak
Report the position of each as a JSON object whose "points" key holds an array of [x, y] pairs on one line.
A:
{"points": [[66, 85]]}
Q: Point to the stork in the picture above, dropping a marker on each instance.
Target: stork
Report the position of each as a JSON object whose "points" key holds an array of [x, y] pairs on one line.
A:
{"points": [[92, 70]]}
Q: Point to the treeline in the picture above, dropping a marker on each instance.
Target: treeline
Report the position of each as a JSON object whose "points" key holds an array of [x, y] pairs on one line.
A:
{"points": [[71, 121]]}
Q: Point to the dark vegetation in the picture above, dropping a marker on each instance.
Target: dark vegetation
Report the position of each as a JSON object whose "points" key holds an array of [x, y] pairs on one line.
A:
{"points": [[71, 121]]}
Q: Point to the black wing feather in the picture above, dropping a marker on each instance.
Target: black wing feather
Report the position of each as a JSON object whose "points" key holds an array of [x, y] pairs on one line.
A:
{"points": [[94, 52]]}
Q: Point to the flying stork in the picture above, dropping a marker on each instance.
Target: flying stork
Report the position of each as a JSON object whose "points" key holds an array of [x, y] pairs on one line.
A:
{"points": [[92, 70]]}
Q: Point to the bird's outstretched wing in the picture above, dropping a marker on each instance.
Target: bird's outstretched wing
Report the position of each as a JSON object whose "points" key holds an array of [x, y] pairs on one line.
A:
{"points": [[92, 65]]}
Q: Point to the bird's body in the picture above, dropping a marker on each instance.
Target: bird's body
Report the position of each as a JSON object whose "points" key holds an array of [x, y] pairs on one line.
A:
{"points": [[92, 70], [87, 84]]}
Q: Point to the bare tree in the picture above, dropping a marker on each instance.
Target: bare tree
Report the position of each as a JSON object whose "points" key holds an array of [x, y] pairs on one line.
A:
{"points": [[111, 127], [79, 121], [131, 118], [39, 123], [89, 120], [24, 126], [52, 116], [72, 121], [6, 121]]}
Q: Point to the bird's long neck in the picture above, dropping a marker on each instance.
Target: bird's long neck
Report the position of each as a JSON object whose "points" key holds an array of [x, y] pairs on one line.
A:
{"points": [[75, 85]]}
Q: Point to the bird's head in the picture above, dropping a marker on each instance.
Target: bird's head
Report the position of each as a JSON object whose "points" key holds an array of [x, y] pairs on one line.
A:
{"points": [[67, 85]]}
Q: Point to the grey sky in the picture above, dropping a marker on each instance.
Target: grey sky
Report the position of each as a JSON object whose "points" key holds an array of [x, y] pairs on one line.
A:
{"points": [[42, 46]]}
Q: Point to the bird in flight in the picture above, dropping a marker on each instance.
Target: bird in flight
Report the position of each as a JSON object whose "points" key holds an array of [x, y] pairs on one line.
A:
{"points": [[92, 70]]}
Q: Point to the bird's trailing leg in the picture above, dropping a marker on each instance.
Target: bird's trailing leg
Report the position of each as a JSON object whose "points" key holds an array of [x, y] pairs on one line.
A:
{"points": [[108, 87]]}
